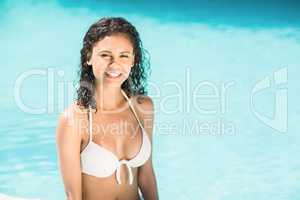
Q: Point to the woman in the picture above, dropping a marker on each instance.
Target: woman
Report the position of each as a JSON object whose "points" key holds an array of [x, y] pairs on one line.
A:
{"points": [[104, 139]]}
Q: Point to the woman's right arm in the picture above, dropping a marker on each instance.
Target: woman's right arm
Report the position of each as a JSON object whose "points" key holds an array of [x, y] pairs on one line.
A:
{"points": [[68, 148]]}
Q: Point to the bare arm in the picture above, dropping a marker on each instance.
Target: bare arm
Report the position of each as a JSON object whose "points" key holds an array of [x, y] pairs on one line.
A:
{"points": [[68, 147], [146, 177], [147, 182]]}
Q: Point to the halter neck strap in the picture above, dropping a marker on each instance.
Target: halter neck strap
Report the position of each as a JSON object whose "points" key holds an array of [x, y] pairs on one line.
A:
{"points": [[132, 108], [91, 116]]}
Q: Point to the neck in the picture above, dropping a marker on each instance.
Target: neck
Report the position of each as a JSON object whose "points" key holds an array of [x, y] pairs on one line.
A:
{"points": [[109, 98]]}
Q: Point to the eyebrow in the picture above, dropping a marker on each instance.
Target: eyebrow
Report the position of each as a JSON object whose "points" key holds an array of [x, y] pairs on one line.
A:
{"points": [[125, 52], [106, 51]]}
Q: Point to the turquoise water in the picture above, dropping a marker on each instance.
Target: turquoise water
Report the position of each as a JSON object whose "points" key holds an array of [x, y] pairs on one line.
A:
{"points": [[215, 147]]}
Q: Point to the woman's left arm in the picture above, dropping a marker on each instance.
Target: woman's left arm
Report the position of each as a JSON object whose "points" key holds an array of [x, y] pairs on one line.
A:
{"points": [[146, 176]]}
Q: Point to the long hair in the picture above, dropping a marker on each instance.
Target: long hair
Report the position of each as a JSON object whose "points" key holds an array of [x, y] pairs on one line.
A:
{"points": [[137, 80]]}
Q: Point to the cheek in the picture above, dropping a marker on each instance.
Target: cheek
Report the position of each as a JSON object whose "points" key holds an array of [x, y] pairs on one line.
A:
{"points": [[127, 66], [100, 62], [99, 66], [98, 70], [126, 71]]}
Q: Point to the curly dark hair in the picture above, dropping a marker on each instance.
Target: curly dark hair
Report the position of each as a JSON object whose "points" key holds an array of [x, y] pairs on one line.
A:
{"points": [[137, 80]]}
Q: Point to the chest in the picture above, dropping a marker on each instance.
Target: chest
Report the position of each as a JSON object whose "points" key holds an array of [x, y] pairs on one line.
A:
{"points": [[118, 133]]}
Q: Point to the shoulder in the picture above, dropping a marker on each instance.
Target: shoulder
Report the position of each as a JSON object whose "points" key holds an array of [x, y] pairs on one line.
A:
{"points": [[144, 104], [69, 120], [144, 107], [72, 112], [69, 139]]}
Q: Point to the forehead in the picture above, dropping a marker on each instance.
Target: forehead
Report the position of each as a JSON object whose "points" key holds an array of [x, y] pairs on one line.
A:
{"points": [[115, 42]]}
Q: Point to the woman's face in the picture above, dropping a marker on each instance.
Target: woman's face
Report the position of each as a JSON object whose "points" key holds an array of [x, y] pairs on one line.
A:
{"points": [[112, 59]]}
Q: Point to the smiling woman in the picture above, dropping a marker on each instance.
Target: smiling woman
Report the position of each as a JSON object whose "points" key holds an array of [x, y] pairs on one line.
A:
{"points": [[94, 162]]}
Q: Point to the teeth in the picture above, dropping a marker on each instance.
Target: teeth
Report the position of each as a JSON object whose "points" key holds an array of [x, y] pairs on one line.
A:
{"points": [[113, 74]]}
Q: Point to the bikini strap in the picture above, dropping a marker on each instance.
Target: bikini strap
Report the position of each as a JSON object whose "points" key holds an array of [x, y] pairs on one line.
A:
{"points": [[132, 108], [90, 124]]}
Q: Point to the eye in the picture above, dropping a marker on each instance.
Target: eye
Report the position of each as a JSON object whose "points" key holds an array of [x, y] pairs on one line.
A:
{"points": [[104, 55]]}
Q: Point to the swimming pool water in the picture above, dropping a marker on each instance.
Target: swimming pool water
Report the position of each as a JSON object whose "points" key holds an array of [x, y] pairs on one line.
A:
{"points": [[213, 147]]}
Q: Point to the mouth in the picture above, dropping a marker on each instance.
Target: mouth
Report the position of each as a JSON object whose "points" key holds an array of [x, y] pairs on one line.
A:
{"points": [[113, 75]]}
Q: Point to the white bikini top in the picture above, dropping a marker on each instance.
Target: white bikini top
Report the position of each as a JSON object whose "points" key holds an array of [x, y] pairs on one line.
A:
{"points": [[100, 162]]}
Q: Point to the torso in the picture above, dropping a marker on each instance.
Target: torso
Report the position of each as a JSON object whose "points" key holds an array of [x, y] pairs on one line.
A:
{"points": [[124, 141]]}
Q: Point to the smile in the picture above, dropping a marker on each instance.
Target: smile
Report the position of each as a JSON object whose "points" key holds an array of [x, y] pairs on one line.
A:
{"points": [[113, 74]]}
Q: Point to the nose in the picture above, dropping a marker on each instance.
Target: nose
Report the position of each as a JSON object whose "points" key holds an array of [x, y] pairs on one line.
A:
{"points": [[113, 63]]}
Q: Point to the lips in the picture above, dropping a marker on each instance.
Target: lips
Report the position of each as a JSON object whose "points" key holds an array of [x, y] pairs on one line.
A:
{"points": [[113, 74]]}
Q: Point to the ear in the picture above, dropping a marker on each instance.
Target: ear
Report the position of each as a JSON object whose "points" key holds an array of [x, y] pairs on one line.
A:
{"points": [[89, 63], [133, 61]]}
